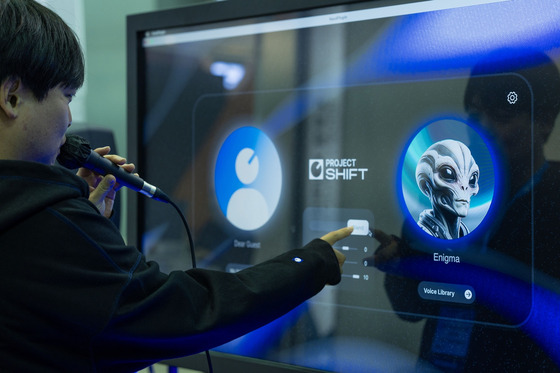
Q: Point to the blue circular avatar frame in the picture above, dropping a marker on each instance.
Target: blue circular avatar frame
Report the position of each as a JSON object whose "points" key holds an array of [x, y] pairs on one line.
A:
{"points": [[413, 201], [248, 178]]}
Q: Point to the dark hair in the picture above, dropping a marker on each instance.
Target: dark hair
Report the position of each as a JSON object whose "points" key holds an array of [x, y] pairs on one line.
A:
{"points": [[38, 47]]}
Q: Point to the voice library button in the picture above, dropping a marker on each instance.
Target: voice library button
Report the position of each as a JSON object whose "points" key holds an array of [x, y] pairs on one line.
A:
{"points": [[446, 292]]}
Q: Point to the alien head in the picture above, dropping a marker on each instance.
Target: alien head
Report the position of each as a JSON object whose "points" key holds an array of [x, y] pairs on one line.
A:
{"points": [[448, 175]]}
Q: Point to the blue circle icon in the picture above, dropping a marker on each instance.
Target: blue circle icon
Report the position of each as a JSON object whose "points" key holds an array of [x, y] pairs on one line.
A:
{"points": [[248, 178]]}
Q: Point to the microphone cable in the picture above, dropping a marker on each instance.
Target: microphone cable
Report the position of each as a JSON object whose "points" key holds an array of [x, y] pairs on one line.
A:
{"points": [[193, 260]]}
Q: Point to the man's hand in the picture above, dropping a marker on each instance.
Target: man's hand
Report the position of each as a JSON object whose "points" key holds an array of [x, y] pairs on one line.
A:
{"points": [[102, 189], [333, 237]]}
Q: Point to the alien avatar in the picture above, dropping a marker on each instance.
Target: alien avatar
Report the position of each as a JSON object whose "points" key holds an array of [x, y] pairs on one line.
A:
{"points": [[448, 175]]}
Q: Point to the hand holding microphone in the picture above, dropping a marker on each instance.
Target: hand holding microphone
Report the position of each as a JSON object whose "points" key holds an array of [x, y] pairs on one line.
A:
{"points": [[77, 153], [103, 189]]}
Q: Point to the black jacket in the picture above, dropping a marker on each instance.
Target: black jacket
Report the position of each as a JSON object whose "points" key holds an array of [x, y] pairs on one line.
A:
{"points": [[74, 297]]}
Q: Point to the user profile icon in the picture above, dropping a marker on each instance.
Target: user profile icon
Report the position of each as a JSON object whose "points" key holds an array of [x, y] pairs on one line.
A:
{"points": [[248, 178], [447, 179]]}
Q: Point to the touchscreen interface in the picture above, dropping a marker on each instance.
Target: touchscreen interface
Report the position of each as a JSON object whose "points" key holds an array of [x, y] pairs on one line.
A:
{"points": [[427, 126], [318, 159]]}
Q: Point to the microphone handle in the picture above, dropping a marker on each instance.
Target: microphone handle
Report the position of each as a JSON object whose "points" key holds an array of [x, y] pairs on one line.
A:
{"points": [[104, 166]]}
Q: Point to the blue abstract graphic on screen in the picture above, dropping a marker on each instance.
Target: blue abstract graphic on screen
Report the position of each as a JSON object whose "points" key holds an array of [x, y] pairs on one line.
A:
{"points": [[248, 178]]}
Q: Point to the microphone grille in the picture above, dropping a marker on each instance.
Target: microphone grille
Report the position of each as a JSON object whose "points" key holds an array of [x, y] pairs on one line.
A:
{"points": [[74, 152]]}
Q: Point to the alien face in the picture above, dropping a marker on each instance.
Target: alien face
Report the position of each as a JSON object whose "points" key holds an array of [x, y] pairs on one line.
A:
{"points": [[448, 175]]}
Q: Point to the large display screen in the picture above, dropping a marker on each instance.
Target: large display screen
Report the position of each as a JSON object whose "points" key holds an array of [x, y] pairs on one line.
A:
{"points": [[428, 126]]}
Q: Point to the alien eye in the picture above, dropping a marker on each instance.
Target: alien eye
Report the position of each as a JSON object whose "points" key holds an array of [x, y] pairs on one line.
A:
{"points": [[473, 181], [447, 174]]}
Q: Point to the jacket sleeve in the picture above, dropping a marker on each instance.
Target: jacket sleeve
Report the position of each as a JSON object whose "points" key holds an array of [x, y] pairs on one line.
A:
{"points": [[164, 316]]}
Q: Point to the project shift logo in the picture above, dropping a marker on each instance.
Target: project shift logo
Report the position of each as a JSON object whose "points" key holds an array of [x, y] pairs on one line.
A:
{"points": [[336, 169], [248, 178]]}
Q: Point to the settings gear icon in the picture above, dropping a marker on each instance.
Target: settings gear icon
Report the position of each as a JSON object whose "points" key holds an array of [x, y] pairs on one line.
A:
{"points": [[512, 97]]}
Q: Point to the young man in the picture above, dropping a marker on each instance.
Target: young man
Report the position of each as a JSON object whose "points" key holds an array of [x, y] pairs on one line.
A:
{"points": [[74, 297]]}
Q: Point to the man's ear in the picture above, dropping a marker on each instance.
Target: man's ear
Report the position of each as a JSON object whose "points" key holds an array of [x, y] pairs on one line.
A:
{"points": [[10, 91]]}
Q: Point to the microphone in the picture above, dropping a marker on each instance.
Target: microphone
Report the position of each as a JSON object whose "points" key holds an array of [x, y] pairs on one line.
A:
{"points": [[76, 152]]}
